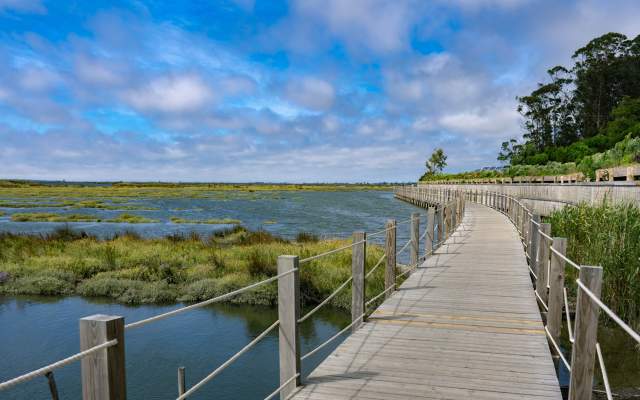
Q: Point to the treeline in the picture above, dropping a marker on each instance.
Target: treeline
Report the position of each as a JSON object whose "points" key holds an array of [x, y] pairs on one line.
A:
{"points": [[584, 109]]}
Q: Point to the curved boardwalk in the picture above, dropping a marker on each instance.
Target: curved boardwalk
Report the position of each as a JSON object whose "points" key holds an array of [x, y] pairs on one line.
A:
{"points": [[464, 325]]}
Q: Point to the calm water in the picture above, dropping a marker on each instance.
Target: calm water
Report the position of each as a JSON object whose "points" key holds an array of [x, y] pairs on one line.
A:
{"points": [[38, 331], [283, 213]]}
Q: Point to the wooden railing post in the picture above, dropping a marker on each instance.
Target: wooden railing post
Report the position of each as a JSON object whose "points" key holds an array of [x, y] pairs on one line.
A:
{"points": [[586, 331], [542, 262], [440, 221], [428, 238], [534, 241], [288, 314], [358, 260], [103, 372], [390, 251], [182, 387], [415, 236], [556, 285]]}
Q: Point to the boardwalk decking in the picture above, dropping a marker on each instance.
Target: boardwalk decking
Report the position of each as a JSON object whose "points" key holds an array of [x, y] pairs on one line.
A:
{"points": [[464, 325]]}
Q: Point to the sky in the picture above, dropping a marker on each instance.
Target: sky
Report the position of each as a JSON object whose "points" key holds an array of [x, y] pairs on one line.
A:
{"points": [[296, 91]]}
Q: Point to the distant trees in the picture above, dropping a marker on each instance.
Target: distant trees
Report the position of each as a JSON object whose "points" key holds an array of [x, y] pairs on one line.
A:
{"points": [[436, 162], [581, 110]]}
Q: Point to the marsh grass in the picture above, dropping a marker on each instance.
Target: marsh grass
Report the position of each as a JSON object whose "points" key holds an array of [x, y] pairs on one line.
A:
{"points": [[54, 217], [212, 221], [607, 235], [130, 269]]}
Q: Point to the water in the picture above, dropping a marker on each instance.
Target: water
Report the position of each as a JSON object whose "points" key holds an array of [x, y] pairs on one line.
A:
{"points": [[37, 331], [284, 213]]}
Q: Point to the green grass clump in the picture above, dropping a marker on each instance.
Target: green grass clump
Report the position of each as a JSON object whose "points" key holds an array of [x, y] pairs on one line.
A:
{"points": [[131, 269], [607, 235], [131, 219], [213, 221], [52, 217]]}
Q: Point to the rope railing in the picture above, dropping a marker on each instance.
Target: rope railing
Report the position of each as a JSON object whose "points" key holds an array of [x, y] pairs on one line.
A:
{"points": [[206, 302], [403, 247], [603, 370], [334, 337], [557, 348], [58, 364], [373, 269], [326, 253], [583, 288], [567, 260], [387, 290], [279, 389], [608, 311], [568, 314], [230, 361], [325, 301]]}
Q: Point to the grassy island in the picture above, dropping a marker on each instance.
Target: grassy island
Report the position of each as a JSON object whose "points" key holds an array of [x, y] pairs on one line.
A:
{"points": [[131, 269]]}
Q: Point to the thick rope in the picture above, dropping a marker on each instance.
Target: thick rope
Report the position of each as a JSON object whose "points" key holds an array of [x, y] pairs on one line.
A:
{"points": [[325, 301], [228, 362], [206, 302], [610, 313], [275, 392], [332, 338], [306, 260], [58, 364]]}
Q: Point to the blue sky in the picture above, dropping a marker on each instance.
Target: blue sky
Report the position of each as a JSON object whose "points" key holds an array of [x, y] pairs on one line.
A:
{"points": [[299, 91]]}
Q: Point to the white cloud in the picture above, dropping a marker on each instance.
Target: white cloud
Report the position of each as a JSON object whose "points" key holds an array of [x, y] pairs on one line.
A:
{"points": [[498, 120], [312, 93], [98, 72], [171, 94]]}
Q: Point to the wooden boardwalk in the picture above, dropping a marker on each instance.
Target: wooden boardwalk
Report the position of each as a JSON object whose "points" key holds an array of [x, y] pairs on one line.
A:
{"points": [[464, 325]]}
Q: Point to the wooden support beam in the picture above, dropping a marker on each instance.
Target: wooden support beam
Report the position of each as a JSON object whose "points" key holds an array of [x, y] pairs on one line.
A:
{"points": [[586, 332], [103, 372], [390, 251], [358, 260], [288, 314]]}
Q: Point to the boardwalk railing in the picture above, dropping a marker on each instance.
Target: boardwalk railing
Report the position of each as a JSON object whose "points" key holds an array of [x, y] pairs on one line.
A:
{"points": [[102, 337], [547, 260]]}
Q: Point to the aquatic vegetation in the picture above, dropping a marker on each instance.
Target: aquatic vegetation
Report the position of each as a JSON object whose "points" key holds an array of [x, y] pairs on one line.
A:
{"points": [[606, 235], [131, 269], [305, 237], [72, 194], [131, 219], [212, 221], [53, 217]]}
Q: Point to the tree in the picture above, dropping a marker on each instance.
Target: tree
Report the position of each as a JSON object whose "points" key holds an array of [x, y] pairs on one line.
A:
{"points": [[508, 151], [436, 162]]}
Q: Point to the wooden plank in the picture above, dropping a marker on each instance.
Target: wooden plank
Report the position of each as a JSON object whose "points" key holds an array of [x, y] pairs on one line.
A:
{"points": [[464, 325]]}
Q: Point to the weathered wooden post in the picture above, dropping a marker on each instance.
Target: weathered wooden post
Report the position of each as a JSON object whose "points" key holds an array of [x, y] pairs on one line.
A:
{"points": [[533, 243], [556, 286], [428, 238], [440, 222], [288, 314], [542, 263], [103, 372], [390, 251], [586, 331], [415, 239], [358, 259], [181, 381]]}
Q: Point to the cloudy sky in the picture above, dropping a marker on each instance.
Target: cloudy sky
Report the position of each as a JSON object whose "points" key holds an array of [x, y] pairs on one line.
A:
{"points": [[309, 90]]}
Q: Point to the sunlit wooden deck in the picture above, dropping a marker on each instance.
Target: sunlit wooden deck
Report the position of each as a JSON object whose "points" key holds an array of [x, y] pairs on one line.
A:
{"points": [[464, 325]]}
